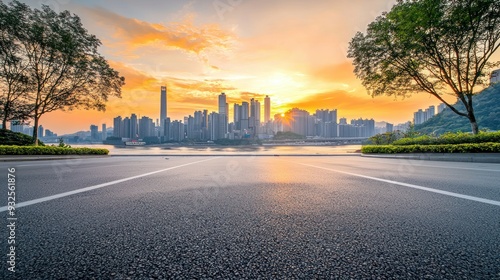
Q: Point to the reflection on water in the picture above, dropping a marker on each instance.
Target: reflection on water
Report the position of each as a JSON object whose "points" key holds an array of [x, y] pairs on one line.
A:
{"points": [[204, 150]]}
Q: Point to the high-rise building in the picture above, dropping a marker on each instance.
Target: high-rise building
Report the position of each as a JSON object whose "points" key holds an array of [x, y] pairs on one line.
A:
{"points": [[94, 132], [167, 130], [177, 131], [213, 126], [126, 128], [430, 112], [223, 111], [222, 104], [104, 134], [40, 131], [146, 127], [267, 109], [191, 133], [163, 106], [418, 117], [237, 116], [254, 120], [422, 116], [118, 127], [133, 127], [244, 116]]}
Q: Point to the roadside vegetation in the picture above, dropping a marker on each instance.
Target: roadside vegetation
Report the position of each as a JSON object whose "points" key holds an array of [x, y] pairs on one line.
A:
{"points": [[413, 142], [288, 135], [15, 143]]}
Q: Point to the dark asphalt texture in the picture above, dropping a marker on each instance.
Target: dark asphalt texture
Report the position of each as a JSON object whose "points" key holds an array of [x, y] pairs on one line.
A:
{"points": [[254, 218]]}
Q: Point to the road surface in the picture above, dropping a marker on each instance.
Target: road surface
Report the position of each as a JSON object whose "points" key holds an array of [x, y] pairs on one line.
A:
{"points": [[267, 217]]}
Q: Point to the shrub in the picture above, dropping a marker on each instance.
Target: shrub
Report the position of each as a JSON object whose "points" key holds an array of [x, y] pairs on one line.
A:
{"points": [[384, 138], [8, 137], [451, 138], [49, 150], [441, 148]]}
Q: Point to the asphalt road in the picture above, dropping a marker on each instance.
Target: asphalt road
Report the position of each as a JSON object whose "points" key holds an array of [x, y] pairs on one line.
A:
{"points": [[341, 217]]}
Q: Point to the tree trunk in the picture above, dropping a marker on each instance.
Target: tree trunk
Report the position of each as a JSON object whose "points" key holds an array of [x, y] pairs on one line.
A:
{"points": [[35, 130], [5, 115], [473, 123]]}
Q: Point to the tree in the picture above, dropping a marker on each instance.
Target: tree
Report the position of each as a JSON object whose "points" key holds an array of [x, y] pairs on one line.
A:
{"points": [[434, 46], [64, 66], [14, 84]]}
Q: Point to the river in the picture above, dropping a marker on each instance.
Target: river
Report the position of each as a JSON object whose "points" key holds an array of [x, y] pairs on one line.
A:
{"points": [[233, 150]]}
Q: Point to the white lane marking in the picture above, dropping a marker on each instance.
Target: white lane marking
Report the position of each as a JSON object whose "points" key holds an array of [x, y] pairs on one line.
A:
{"points": [[406, 162], [446, 167], [463, 196], [56, 196]]}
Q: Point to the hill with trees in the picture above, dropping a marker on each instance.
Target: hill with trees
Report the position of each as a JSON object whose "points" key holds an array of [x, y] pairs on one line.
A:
{"points": [[487, 110]]}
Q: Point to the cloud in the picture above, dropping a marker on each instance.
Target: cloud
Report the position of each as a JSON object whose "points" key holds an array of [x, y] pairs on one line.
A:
{"points": [[184, 35]]}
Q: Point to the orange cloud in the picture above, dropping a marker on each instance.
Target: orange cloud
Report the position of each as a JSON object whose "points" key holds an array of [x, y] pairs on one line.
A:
{"points": [[183, 35]]}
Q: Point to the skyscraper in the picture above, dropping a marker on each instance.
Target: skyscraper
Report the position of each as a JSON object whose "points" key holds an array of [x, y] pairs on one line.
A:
{"points": [[222, 104], [254, 119], [40, 131], [104, 134], [133, 127], [163, 106], [244, 116], [223, 112], [267, 109], [118, 127], [94, 132]]}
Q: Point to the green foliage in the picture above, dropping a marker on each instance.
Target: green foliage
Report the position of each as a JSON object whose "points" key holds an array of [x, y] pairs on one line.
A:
{"points": [[451, 138], [287, 135], [62, 144], [55, 63], [433, 46], [412, 132], [447, 148], [8, 137], [486, 108], [384, 138], [49, 150]]}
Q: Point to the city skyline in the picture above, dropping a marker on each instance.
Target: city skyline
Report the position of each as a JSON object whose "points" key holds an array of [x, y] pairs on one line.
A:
{"points": [[295, 53]]}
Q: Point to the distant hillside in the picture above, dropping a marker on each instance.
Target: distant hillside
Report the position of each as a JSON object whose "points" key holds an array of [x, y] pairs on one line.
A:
{"points": [[487, 110]]}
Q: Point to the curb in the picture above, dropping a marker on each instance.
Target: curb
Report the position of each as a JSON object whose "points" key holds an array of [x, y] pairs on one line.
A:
{"points": [[39, 158], [47, 157], [465, 157]]}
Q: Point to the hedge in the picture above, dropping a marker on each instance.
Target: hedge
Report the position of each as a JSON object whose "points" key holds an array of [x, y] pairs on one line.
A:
{"points": [[49, 150], [451, 138], [444, 148]]}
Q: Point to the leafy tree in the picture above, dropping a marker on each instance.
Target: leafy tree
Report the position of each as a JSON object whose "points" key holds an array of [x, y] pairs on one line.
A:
{"points": [[64, 66], [14, 82], [434, 46]]}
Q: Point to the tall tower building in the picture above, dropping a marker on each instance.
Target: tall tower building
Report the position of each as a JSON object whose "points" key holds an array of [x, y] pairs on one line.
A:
{"points": [[163, 106], [244, 116], [222, 104], [267, 109], [133, 127], [223, 112], [104, 132]]}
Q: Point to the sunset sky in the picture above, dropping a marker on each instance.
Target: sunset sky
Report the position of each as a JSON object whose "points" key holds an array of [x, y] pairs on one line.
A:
{"points": [[292, 50]]}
